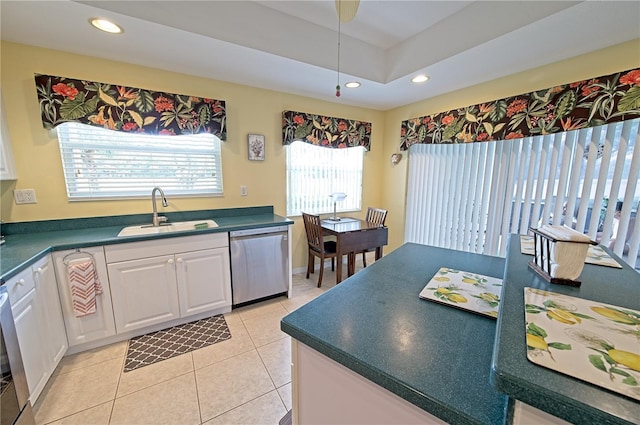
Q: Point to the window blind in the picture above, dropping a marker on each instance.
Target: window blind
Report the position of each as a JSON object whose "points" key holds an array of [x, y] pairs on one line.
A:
{"points": [[314, 172], [471, 196], [100, 163]]}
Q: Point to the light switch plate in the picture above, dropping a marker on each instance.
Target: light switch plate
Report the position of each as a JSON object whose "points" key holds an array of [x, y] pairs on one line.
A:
{"points": [[243, 190], [25, 196]]}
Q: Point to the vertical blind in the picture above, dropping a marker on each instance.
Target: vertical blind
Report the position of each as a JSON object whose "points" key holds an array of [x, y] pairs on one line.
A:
{"points": [[314, 172], [470, 197]]}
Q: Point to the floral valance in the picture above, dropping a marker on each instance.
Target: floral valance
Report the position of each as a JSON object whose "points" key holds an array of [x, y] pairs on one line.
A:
{"points": [[127, 108], [582, 104], [329, 132]]}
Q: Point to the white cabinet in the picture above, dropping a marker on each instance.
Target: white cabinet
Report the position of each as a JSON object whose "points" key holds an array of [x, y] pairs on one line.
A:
{"points": [[27, 321], [144, 292], [49, 301], [7, 169], [35, 306], [92, 327], [154, 282], [203, 278]]}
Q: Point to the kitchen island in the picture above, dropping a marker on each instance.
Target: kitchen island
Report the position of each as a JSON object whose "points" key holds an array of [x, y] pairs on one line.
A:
{"points": [[561, 395], [371, 346], [419, 354]]}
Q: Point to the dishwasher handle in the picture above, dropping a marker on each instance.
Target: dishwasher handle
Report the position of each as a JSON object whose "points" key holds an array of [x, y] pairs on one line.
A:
{"points": [[258, 231]]}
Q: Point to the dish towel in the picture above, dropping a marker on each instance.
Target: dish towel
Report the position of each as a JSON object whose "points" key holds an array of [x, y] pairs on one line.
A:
{"points": [[85, 285]]}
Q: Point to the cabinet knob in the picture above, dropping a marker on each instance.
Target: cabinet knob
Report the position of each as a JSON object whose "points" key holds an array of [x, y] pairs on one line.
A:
{"points": [[179, 260], [21, 282], [39, 270], [170, 261]]}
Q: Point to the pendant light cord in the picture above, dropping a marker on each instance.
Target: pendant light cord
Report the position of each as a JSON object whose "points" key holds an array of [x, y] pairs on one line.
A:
{"points": [[339, 22], [338, 50]]}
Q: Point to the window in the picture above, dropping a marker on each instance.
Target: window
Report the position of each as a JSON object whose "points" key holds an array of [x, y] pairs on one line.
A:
{"points": [[100, 163], [471, 196], [314, 172]]}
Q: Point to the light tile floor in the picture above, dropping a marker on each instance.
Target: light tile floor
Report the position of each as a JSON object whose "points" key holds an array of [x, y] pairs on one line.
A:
{"points": [[243, 380]]}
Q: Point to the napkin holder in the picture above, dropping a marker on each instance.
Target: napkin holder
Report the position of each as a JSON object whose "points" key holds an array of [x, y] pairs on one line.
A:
{"points": [[559, 254]]}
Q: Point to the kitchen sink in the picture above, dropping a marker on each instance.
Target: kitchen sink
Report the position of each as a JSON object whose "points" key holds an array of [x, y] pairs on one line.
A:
{"points": [[179, 226]]}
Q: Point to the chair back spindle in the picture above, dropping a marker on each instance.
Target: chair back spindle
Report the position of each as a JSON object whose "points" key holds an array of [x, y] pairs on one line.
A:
{"points": [[317, 246], [313, 227], [376, 215]]}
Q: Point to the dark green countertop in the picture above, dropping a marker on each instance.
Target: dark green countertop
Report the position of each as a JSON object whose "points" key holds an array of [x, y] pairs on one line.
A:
{"points": [[561, 395], [28, 241], [434, 356]]}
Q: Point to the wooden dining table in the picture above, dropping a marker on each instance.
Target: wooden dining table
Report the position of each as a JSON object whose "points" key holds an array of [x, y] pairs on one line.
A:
{"points": [[354, 235]]}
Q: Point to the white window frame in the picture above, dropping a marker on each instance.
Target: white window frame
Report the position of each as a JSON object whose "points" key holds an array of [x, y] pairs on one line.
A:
{"points": [[129, 165], [314, 172]]}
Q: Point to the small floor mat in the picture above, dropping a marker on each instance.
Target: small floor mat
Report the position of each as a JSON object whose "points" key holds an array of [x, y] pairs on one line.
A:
{"points": [[167, 343]]}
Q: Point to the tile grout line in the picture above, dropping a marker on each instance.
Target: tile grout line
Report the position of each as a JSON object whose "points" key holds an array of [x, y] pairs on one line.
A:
{"points": [[115, 395], [59, 373], [55, 376], [195, 380], [154, 384], [272, 381], [247, 402]]}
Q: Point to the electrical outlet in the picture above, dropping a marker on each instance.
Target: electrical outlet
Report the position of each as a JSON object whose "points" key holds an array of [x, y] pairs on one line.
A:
{"points": [[25, 196], [243, 190]]}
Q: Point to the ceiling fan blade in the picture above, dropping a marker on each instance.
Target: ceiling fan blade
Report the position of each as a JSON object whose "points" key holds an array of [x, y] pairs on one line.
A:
{"points": [[347, 9]]}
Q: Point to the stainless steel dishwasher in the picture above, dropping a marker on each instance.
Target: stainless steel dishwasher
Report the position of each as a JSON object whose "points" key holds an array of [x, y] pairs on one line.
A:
{"points": [[259, 263]]}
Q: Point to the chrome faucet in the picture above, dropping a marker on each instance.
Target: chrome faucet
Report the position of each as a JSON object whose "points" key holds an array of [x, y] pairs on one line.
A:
{"points": [[157, 220]]}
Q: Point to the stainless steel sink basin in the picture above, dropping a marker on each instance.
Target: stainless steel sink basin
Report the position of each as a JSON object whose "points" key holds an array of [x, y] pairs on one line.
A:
{"points": [[179, 226]]}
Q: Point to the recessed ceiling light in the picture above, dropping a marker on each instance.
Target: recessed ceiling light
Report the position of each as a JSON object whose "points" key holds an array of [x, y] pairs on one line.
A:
{"points": [[107, 26], [420, 78], [352, 84]]}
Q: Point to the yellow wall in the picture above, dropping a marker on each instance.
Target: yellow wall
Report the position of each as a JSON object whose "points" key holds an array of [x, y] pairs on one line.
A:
{"points": [[249, 110], [602, 62]]}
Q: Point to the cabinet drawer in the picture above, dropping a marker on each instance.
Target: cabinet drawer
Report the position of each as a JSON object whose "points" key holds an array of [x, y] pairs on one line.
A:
{"points": [[20, 285], [165, 246]]}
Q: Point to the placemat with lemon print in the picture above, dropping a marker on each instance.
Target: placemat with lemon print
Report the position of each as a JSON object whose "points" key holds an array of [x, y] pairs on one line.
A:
{"points": [[592, 341], [595, 254], [466, 290]]}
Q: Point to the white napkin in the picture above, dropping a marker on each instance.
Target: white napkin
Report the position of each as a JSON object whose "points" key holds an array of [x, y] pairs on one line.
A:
{"points": [[564, 233], [567, 257]]}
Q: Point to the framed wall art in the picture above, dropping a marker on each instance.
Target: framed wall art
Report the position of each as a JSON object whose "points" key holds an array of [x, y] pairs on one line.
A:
{"points": [[256, 147]]}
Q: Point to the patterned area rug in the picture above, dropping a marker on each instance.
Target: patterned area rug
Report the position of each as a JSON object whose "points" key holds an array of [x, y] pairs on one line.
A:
{"points": [[161, 345]]}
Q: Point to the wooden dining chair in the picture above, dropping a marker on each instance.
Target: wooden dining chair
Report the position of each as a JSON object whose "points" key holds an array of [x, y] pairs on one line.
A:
{"points": [[318, 247], [377, 216]]}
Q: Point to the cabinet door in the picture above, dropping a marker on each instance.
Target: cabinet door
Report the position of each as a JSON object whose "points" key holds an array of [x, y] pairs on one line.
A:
{"points": [[36, 312], [7, 170], [144, 292], [91, 327], [204, 281], [27, 320], [55, 339]]}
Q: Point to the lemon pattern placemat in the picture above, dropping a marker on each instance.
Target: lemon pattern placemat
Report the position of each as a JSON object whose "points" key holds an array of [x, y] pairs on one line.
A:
{"points": [[595, 255], [592, 341], [469, 291]]}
